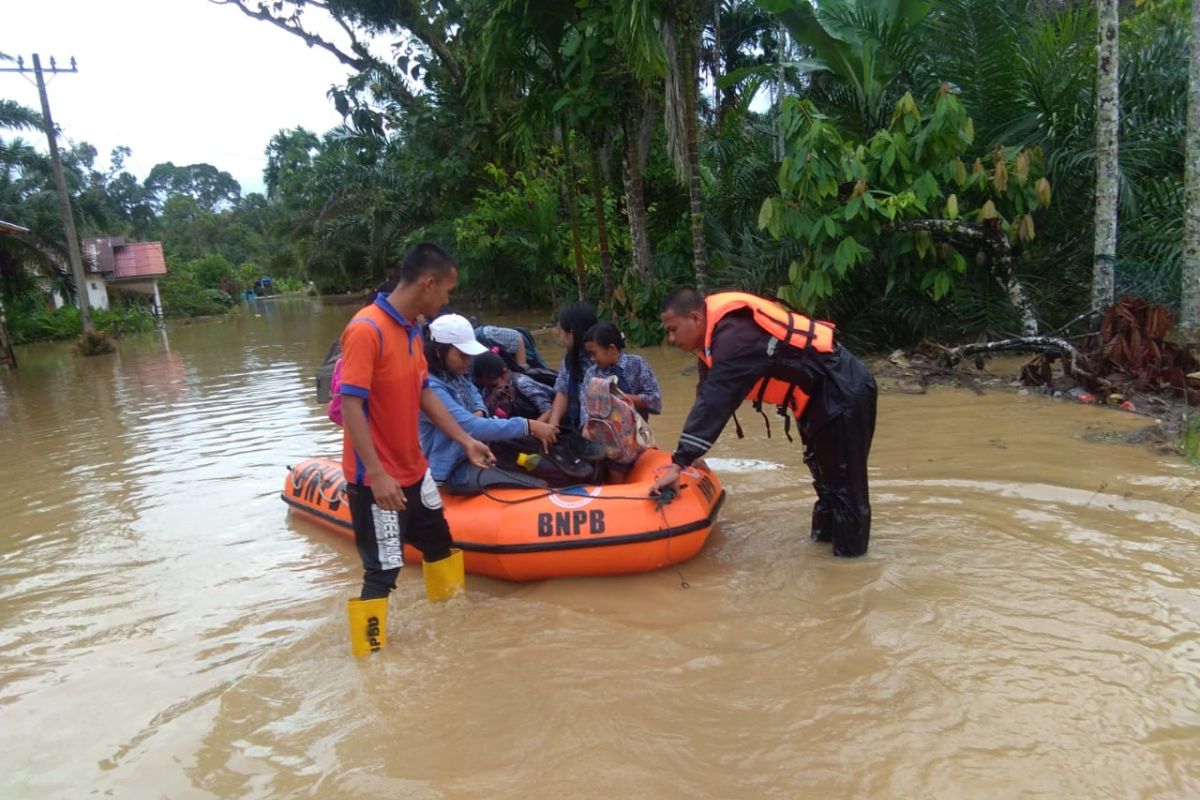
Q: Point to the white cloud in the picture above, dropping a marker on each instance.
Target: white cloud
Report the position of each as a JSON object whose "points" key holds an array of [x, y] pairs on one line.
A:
{"points": [[186, 81]]}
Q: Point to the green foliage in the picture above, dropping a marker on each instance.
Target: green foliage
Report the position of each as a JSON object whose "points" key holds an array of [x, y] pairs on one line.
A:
{"points": [[42, 324], [865, 55], [1026, 78], [1191, 439], [635, 307], [904, 195], [744, 171], [286, 285], [186, 300], [119, 321], [247, 274], [511, 244], [472, 135], [214, 272], [202, 287], [635, 304], [206, 185]]}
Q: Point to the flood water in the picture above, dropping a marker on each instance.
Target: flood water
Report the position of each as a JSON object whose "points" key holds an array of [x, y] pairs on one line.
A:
{"points": [[1025, 625]]}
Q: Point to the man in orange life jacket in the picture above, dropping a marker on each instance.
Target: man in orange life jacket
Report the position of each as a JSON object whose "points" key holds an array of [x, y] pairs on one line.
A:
{"points": [[751, 348]]}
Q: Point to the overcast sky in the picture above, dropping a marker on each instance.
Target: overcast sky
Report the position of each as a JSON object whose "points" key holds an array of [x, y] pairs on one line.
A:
{"points": [[175, 80]]}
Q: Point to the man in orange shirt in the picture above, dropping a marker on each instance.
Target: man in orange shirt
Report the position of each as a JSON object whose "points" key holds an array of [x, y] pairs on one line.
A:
{"points": [[392, 495]]}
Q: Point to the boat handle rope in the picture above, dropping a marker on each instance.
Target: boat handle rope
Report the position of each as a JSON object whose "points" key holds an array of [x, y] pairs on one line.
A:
{"points": [[660, 506], [564, 491], [296, 484]]}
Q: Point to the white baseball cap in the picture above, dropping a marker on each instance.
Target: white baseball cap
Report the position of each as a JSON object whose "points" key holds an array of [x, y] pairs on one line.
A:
{"points": [[454, 329]]}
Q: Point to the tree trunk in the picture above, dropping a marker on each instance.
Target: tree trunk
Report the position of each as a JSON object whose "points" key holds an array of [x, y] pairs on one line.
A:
{"points": [[716, 65], [777, 93], [691, 90], [601, 227], [1104, 251], [1189, 318], [1003, 270], [637, 150], [680, 43], [571, 197]]}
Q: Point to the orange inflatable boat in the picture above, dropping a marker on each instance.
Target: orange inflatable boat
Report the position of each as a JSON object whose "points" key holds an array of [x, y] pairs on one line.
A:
{"points": [[533, 534]]}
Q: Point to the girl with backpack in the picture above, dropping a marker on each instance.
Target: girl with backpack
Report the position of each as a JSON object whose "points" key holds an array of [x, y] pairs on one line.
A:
{"points": [[605, 345]]}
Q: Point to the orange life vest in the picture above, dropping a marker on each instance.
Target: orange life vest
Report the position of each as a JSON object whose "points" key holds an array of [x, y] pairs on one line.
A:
{"points": [[787, 327]]}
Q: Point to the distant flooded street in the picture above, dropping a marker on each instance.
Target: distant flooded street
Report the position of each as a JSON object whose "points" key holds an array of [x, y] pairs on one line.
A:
{"points": [[1026, 624]]}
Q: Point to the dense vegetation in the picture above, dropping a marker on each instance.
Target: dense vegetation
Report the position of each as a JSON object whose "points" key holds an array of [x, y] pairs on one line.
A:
{"points": [[908, 168]]}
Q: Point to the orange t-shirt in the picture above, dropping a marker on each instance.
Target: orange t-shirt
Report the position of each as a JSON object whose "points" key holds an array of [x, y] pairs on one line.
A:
{"points": [[383, 362]]}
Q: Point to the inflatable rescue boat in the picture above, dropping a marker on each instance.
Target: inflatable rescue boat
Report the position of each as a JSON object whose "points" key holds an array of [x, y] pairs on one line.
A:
{"points": [[533, 534]]}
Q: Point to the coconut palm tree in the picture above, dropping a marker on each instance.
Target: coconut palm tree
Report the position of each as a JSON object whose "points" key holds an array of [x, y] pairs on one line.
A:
{"points": [[862, 55], [17, 117], [28, 201], [681, 27]]}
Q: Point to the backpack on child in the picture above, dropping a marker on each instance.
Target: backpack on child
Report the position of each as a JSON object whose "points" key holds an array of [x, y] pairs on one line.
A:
{"points": [[613, 422], [335, 390], [334, 409]]}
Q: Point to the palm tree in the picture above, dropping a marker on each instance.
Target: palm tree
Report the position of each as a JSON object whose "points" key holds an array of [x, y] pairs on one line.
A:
{"points": [[641, 49], [637, 129], [28, 201], [1104, 250], [863, 55], [522, 61], [17, 117], [680, 35]]}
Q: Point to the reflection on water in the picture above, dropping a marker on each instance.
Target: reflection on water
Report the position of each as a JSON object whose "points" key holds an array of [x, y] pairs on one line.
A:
{"points": [[730, 465], [1025, 624]]}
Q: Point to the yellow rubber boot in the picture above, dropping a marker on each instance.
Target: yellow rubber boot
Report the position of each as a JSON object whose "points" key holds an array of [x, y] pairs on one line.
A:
{"points": [[446, 578], [368, 625]]}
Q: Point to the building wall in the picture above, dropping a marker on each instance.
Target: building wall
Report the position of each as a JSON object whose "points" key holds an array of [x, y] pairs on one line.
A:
{"points": [[97, 292]]}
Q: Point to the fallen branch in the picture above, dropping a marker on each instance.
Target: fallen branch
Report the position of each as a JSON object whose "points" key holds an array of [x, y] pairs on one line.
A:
{"points": [[1090, 313], [1030, 344]]}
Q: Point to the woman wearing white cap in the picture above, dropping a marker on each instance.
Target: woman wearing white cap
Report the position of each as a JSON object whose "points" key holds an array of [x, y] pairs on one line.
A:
{"points": [[449, 350]]}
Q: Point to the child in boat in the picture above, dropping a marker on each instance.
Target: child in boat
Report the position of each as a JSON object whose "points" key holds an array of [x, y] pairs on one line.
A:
{"points": [[605, 345], [515, 345], [574, 321], [510, 394], [448, 351]]}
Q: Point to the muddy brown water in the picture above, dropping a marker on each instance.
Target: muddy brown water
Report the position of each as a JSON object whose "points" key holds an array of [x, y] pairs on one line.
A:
{"points": [[1025, 625]]}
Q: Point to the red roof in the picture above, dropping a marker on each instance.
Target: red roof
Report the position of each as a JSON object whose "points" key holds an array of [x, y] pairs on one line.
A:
{"points": [[138, 259]]}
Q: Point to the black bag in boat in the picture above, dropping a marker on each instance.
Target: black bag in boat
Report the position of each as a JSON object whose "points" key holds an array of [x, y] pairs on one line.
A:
{"points": [[560, 467]]}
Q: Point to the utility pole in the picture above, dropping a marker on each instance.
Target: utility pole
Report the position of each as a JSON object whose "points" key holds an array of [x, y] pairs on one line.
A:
{"points": [[64, 200]]}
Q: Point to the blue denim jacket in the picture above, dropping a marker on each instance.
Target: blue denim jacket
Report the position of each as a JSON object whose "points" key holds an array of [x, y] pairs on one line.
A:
{"points": [[446, 458]]}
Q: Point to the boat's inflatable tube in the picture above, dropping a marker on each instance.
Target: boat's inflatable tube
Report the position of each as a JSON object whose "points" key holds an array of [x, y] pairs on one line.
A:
{"points": [[532, 534]]}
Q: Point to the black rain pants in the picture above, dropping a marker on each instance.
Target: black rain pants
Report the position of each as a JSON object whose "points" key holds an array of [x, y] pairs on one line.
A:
{"points": [[836, 455]]}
